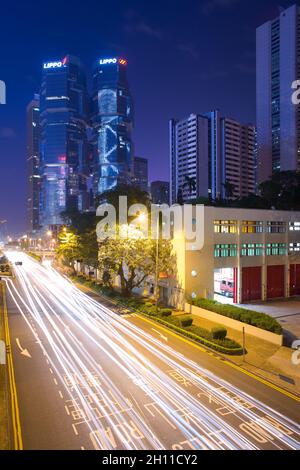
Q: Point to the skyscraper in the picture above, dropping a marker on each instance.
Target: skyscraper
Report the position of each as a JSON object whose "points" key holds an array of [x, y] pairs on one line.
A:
{"points": [[278, 119], [206, 151], [238, 156], [112, 117], [189, 157], [33, 164], [140, 173], [63, 119]]}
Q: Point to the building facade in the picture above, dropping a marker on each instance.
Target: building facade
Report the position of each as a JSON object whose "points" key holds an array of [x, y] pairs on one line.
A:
{"points": [[238, 157], [33, 165], [247, 255], [188, 158], [207, 151], [63, 119], [160, 192], [140, 173], [112, 118], [278, 119]]}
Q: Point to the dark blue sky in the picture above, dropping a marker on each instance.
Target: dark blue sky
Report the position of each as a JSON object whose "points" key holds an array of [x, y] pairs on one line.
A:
{"points": [[183, 56]]}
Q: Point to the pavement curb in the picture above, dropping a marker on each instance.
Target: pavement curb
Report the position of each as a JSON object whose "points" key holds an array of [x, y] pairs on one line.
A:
{"points": [[266, 381]]}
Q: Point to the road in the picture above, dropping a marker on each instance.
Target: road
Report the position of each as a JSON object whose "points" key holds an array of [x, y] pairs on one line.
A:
{"points": [[88, 378]]}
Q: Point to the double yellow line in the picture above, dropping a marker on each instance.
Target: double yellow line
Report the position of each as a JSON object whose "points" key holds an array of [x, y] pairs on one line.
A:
{"points": [[225, 361], [18, 443]]}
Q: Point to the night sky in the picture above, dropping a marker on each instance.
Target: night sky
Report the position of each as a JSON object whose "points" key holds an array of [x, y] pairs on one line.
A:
{"points": [[183, 56]]}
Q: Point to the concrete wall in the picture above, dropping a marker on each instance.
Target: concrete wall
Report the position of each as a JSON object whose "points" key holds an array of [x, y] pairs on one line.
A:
{"points": [[236, 325]]}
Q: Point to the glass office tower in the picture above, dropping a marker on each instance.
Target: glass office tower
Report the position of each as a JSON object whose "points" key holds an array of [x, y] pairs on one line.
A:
{"points": [[33, 165], [64, 146], [112, 117]]}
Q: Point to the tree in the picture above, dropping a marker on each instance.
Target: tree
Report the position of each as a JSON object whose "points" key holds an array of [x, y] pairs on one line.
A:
{"points": [[282, 190], [133, 258], [180, 197], [190, 183], [79, 222], [68, 247], [229, 189], [134, 196]]}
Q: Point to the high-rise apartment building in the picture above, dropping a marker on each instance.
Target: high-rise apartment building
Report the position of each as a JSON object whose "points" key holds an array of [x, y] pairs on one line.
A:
{"points": [[33, 165], [208, 151], [112, 118], [188, 157], [63, 143], [238, 157], [140, 173], [278, 119]]}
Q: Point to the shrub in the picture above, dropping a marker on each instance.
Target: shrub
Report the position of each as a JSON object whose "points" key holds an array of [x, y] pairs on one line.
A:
{"points": [[219, 332], [258, 319], [185, 320], [166, 312]]}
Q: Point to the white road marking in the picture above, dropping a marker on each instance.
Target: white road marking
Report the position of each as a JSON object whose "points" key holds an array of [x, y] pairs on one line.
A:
{"points": [[159, 333], [25, 351]]}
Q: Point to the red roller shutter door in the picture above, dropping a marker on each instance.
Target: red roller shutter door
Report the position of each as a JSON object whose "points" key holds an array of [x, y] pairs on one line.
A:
{"points": [[251, 283], [295, 279], [275, 281]]}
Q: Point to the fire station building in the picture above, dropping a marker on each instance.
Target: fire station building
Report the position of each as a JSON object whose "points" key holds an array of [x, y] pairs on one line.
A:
{"points": [[248, 255]]}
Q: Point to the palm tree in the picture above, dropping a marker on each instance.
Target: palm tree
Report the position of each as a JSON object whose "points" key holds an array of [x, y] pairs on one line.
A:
{"points": [[190, 182], [229, 189]]}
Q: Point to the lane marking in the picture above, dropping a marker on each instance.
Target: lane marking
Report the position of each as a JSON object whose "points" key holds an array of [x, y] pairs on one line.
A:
{"points": [[18, 441], [25, 351], [162, 336], [55, 381], [74, 429], [60, 394], [225, 361]]}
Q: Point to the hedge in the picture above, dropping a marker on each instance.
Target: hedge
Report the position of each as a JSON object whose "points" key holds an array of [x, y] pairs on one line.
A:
{"points": [[34, 256], [219, 332], [258, 319], [196, 333], [202, 336]]}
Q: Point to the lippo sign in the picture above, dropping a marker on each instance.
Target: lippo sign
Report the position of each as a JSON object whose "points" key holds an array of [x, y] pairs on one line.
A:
{"points": [[2, 92], [178, 222]]}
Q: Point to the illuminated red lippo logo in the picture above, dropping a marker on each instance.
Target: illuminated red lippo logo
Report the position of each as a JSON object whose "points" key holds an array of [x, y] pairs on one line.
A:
{"points": [[122, 61], [62, 159]]}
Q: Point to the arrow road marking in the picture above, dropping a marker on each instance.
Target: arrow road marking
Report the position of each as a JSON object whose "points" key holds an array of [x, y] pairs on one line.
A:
{"points": [[25, 352], [162, 336]]}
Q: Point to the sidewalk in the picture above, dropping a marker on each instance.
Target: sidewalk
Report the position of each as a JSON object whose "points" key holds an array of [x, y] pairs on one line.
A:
{"points": [[5, 435], [262, 358]]}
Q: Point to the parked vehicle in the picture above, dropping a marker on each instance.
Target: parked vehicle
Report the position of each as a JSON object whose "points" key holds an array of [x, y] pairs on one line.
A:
{"points": [[226, 288]]}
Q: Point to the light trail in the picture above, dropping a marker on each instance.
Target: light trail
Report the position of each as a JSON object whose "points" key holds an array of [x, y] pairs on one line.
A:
{"points": [[83, 339]]}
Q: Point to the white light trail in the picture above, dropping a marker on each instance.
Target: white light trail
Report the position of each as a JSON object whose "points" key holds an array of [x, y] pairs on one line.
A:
{"points": [[83, 339]]}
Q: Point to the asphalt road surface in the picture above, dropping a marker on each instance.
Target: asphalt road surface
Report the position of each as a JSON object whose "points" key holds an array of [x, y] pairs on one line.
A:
{"points": [[88, 378]]}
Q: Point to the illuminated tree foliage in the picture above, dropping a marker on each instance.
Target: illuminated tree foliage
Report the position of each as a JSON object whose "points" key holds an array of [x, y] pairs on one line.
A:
{"points": [[133, 259]]}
